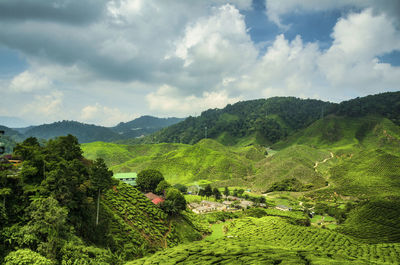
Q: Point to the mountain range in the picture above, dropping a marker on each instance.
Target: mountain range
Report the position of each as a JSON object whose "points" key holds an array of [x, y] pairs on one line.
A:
{"points": [[87, 132]]}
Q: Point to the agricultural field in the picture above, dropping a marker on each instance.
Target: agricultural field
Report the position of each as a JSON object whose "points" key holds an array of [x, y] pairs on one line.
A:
{"points": [[374, 221], [147, 226], [278, 232], [238, 251], [147, 223]]}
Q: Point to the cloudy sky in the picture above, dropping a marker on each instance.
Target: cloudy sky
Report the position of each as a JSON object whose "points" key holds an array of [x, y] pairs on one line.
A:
{"points": [[106, 61]]}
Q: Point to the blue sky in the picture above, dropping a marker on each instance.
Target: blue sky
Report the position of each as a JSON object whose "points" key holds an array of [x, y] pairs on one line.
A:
{"points": [[107, 61]]}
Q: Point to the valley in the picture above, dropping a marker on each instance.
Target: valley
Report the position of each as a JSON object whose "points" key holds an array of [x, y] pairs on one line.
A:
{"points": [[324, 190]]}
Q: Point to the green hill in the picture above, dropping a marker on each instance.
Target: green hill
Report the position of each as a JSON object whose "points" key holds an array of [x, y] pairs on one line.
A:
{"points": [[138, 226], [375, 221], [263, 120], [10, 138], [295, 162], [207, 160]]}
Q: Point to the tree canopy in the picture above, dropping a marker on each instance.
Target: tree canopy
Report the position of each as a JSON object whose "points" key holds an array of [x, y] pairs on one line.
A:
{"points": [[147, 180]]}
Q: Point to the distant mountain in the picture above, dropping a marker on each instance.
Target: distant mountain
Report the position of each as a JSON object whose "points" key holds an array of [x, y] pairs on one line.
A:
{"points": [[84, 132], [13, 122], [87, 133], [267, 121], [10, 138], [143, 125]]}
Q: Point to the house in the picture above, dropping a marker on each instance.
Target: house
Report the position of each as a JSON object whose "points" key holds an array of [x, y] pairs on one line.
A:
{"points": [[154, 198], [201, 209], [283, 208], [157, 201], [129, 178], [246, 204]]}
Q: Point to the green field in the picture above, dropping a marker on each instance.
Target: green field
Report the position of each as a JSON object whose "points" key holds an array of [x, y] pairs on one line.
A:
{"points": [[272, 240]]}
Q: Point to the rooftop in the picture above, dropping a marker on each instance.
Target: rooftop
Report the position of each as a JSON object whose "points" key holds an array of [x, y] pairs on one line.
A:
{"points": [[125, 175]]}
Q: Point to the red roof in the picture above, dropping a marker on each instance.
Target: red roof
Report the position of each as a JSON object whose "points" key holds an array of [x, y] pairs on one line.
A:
{"points": [[157, 200]]}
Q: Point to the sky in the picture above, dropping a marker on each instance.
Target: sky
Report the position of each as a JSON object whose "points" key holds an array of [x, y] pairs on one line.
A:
{"points": [[109, 61]]}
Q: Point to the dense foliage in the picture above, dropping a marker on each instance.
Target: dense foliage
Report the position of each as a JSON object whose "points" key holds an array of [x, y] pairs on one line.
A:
{"points": [[266, 119], [51, 203], [148, 180], [59, 208]]}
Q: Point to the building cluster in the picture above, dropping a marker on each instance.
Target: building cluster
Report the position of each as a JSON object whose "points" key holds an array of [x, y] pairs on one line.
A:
{"points": [[230, 204]]}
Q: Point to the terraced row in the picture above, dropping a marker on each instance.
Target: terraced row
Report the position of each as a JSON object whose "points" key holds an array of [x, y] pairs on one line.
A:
{"points": [[141, 214], [277, 232]]}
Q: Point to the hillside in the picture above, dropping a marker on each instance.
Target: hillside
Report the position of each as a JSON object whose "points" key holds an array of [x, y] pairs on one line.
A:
{"points": [[261, 121], [207, 160], [10, 138], [79, 214], [366, 153], [273, 240], [139, 227]]}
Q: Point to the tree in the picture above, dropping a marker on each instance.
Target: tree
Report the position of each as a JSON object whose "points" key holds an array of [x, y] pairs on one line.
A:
{"points": [[235, 192], [208, 191], [162, 187], [101, 179], [65, 147], [47, 229], [182, 188], [201, 193], [26, 257], [147, 180], [174, 201], [216, 193], [226, 191]]}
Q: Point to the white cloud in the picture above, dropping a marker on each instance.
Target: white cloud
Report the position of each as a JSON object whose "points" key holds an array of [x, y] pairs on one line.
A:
{"points": [[47, 105], [29, 82], [181, 57], [349, 68], [104, 115], [217, 40], [276, 9], [352, 62], [168, 99]]}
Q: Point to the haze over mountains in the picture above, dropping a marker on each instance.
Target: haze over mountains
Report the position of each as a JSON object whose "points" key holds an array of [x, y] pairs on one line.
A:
{"points": [[89, 133]]}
